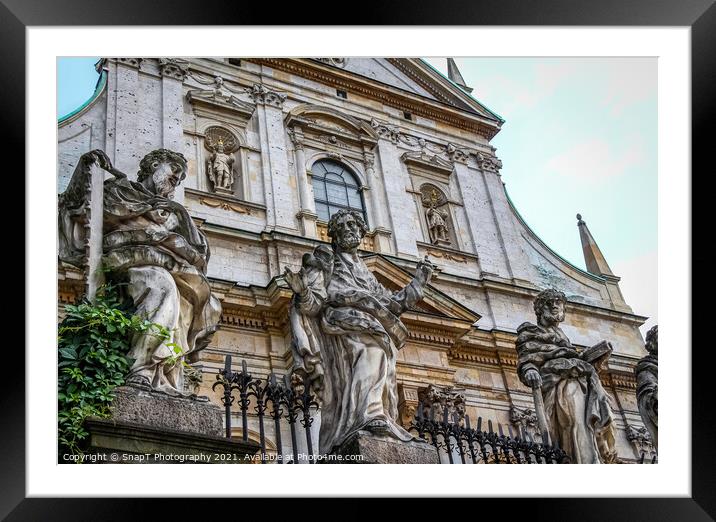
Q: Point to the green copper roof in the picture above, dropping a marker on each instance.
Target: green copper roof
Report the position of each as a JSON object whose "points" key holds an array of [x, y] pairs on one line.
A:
{"points": [[502, 120], [524, 223], [101, 82]]}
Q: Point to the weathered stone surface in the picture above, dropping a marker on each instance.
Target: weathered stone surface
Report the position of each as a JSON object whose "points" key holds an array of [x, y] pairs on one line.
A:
{"points": [[647, 378], [159, 410], [377, 449], [347, 332], [570, 401], [120, 442], [152, 243]]}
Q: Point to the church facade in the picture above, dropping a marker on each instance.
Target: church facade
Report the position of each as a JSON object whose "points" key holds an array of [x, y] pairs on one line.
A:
{"points": [[277, 146]]}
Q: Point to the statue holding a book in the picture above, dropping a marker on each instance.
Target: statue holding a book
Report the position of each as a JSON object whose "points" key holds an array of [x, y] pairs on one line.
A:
{"points": [[572, 405]]}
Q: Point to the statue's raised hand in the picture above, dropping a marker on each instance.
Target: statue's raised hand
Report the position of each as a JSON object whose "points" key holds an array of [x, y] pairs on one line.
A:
{"points": [[295, 280], [533, 378], [424, 271], [99, 156]]}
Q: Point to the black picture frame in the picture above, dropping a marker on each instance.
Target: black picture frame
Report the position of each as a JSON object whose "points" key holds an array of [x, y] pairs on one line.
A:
{"points": [[699, 15]]}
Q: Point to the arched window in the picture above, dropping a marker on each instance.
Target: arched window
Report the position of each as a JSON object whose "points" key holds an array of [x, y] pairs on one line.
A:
{"points": [[334, 188]]}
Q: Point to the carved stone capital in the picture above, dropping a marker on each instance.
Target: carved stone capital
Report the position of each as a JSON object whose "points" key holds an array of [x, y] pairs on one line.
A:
{"points": [[407, 404], [441, 401], [525, 420], [369, 160], [387, 132], [173, 68], [263, 96], [130, 62], [456, 154], [641, 439], [488, 162], [297, 138]]}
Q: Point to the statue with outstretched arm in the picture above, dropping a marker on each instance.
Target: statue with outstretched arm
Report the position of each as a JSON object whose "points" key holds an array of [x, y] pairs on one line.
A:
{"points": [[347, 332]]}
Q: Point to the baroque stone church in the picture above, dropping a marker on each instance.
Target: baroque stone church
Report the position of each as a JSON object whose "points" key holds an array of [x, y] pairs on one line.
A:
{"points": [[275, 147]]}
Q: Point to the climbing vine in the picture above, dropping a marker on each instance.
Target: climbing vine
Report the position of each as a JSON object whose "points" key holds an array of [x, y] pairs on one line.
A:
{"points": [[93, 341]]}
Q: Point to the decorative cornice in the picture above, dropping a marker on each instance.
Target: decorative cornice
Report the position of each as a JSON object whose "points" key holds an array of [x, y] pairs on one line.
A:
{"points": [[426, 162], [369, 89], [394, 134], [428, 86]]}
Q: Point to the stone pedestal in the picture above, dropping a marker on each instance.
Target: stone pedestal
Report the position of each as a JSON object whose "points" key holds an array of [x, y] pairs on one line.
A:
{"points": [[376, 449], [151, 427], [149, 408]]}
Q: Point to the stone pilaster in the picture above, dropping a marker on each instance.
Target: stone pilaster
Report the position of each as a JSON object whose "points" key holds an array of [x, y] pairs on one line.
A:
{"points": [[399, 202], [279, 186], [307, 214], [481, 220], [509, 238], [173, 73], [381, 225], [123, 111]]}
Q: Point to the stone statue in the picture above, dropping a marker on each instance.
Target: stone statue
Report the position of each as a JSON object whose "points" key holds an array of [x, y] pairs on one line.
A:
{"points": [[151, 243], [576, 406], [437, 225], [647, 391], [220, 168], [347, 333]]}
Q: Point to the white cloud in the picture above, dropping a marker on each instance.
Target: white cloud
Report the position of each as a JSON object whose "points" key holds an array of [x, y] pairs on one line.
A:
{"points": [[639, 285], [595, 159], [629, 81]]}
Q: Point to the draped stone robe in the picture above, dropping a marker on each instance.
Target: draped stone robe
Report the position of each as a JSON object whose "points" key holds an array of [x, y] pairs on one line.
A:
{"points": [[576, 404], [346, 335], [153, 241], [647, 377]]}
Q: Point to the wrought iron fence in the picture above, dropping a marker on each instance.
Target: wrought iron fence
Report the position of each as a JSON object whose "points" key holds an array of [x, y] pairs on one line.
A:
{"points": [[461, 444], [277, 399], [290, 401]]}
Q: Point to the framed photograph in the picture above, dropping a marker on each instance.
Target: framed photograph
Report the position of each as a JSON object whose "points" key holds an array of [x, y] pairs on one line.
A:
{"points": [[323, 259]]}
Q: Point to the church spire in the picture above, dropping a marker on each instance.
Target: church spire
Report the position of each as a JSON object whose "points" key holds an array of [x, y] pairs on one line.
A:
{"points": [[455, 76], [593, 257]]}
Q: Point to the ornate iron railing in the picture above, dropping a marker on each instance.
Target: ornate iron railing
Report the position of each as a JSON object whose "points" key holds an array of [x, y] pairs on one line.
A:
{"points": [[277, 399], [281, 401], [461, 444]]}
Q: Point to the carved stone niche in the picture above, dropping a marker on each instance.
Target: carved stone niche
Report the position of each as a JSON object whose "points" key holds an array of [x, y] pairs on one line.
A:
{"points": [[220, 165], [436, 212]]}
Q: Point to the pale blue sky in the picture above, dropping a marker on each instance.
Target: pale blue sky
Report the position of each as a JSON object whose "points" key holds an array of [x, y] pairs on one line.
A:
{"points": [[580, 136]]}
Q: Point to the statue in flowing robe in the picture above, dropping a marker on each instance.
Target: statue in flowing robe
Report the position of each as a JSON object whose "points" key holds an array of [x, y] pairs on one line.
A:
{"points": [[647, 391], [347, 333], [151, 243], [576, 405]]}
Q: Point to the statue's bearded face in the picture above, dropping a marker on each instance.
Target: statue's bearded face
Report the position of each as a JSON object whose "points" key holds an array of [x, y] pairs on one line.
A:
{"points": [[166, 177], [348, 232], [553, 311]]}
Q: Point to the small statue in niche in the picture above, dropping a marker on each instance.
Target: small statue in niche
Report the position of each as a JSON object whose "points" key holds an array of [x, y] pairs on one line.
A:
{"points": [[220, 168], [220, 164], [437, 221]]}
